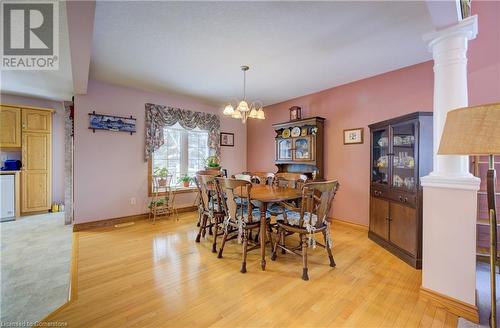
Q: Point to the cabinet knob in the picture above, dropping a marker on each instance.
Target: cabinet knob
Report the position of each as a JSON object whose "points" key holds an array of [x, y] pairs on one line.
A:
{"points": [[400, 198], [406, 199]]}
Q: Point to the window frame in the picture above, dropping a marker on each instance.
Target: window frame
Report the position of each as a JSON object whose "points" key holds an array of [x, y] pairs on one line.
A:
{"points": [[176, 189]]}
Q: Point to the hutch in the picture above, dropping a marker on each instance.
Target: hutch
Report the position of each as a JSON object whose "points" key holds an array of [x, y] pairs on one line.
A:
{"points": [[299, 147], [401, 153]]}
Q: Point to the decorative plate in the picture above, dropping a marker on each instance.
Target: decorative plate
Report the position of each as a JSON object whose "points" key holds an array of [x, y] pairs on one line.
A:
{"points": [[304, 133], [286, 133], [295, 132]]}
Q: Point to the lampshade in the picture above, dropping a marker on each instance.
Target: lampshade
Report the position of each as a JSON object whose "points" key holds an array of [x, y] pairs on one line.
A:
{"points": [[243, 106], [228, 110], [236, 114], [472, 131], [260, 114], [253, 113]]}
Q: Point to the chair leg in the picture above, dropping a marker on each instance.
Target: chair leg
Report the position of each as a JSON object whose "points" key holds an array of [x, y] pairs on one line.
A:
{"points": [[199, 219], [221, 249], [329, 251], [282, 241], [275, 245], [202, 228], [245, 244], [216, 230], [305, 275]]}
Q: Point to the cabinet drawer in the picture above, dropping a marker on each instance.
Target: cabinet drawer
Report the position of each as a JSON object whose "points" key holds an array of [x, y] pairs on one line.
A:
{"points": [[404, 199]]}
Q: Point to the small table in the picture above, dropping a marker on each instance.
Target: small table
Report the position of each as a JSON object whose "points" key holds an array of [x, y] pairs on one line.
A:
{"points": [[268, 194]]}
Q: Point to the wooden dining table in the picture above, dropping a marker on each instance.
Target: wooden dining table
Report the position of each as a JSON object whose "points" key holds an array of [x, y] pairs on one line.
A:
{"points": [[266, 194]]}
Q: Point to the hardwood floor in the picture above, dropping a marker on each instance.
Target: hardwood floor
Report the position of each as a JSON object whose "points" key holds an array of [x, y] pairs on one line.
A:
{"points": [[146, 275]]}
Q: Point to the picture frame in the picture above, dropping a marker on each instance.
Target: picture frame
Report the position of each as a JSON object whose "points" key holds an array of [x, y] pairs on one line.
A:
{"points": [[227, 139], [295, 113], [112, 123], [353, 136]]}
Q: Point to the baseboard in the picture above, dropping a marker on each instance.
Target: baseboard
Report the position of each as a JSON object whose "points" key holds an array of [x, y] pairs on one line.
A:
{"points": [[459, 308], [123, 219], [352, 224]]}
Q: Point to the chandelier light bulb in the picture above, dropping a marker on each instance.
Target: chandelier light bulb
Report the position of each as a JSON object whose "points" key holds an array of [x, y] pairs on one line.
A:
{"points": [[261, 115], [236, 114], [253, 113]]}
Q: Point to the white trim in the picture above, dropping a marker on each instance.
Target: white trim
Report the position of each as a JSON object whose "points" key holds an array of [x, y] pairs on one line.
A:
{"points": [[466, 27], [451, 182]]}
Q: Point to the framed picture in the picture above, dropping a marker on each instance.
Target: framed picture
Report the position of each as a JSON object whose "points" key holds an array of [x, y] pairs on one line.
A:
{"points": [[295, 113], [111, 123], [227, 139], [353, 136]]}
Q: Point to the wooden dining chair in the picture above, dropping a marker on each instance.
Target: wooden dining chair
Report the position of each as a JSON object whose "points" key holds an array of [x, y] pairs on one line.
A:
{"points": [[197, 202], [240, 219], [290, 180], [212, 213], [308, 220], [265, 178], [242, 176]]}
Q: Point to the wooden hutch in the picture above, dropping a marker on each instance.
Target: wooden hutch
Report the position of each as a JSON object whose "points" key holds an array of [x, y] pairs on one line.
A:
{"points": [[401, 153], [299, 146]]}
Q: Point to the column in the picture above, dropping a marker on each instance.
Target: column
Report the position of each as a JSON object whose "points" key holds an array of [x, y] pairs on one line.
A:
{"points": [[450, 191]]}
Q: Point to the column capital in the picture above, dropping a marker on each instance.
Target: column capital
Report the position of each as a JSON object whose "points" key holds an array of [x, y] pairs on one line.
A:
{"points": [[466, 27]]}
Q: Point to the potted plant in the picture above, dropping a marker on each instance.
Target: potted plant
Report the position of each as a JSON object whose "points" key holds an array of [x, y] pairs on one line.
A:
{"points": [[186, 180], [157, 203], [212, 163], [162, 173]]}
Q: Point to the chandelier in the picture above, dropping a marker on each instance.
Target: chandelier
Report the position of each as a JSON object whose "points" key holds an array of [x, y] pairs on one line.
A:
{"points": [[244, 111]]}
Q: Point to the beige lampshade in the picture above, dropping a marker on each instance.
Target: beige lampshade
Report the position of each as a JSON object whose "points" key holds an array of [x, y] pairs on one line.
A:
{"points": [[472, 131]]}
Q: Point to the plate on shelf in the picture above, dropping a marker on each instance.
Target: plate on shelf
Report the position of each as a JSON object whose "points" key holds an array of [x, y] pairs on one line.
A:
{"points": [[296, 132], [303, 132], [286, 133]]}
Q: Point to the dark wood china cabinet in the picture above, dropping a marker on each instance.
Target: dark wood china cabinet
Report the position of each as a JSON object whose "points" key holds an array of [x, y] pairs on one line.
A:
{"points": [[401, 153], [299, 147]]}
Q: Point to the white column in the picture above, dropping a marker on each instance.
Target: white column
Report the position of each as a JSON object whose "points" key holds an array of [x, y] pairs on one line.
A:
{"points": [[450, 191]]}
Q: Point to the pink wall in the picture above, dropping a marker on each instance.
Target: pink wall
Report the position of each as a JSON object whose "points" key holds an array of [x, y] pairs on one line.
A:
{"points": [[371, 100], [109, 167], [57, 138]]}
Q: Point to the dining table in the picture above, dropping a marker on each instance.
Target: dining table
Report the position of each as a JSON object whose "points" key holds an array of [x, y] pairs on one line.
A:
{"points": [[265, 195]]}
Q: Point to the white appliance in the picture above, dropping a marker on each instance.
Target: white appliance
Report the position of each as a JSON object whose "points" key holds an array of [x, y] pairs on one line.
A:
{"points": [[7, 189]]}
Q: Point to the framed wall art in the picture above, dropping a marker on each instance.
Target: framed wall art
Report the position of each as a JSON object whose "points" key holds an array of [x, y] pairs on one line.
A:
{"points": [[227, 139], [353, 136]]}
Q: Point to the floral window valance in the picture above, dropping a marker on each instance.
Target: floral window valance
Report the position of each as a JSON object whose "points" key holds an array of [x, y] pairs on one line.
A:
{"points": [[158, 117]]}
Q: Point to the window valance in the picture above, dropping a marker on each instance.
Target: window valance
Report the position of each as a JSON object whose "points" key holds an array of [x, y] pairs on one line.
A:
{"points": [[158, 117]]}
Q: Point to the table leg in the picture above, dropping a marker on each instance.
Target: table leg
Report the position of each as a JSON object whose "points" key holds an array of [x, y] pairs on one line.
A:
{"points": [[262, 234]]}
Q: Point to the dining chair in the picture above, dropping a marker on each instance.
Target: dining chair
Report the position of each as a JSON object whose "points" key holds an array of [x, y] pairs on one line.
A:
{"points": [[241, 220], [212, 214], [308, 220], [163, 198], [265, 178], [197, 201], [289, 179]]}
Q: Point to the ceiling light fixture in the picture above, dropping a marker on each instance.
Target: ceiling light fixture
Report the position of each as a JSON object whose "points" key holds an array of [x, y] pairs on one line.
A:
{"points": [[243, 111]]}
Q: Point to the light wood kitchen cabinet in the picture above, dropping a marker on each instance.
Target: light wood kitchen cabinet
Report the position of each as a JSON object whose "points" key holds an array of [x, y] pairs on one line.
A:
{"points": [[30, 130], [36, 120], [10, 134]]}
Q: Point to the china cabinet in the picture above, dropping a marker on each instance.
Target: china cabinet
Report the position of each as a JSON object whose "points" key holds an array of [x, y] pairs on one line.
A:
{"points": [[299, 147], [401, 153]]}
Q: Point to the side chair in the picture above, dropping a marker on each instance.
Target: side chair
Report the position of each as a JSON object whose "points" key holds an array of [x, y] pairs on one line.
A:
{"points": [[308, 220], [212, 213], [241, 220]]}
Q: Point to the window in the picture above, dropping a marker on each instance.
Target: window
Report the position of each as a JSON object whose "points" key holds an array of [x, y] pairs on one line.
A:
{"points": [[184, 152]]}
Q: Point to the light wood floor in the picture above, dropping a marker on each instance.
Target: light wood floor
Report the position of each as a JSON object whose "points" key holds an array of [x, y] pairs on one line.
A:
{"points": [[148, 275]]}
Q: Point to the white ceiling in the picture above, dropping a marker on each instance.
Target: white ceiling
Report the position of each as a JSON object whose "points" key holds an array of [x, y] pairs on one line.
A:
{"points": [[293, 48], [53, 85]]}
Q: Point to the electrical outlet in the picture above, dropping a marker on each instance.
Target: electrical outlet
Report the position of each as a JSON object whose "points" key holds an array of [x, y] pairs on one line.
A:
{"points": [[132, 201]]}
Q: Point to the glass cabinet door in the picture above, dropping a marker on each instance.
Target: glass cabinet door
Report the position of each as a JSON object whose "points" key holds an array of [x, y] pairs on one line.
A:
{"points": [[380, 157], [302, 149], [403, 162], [284, 149]]}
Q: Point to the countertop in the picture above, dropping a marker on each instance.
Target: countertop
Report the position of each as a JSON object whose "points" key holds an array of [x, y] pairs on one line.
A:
{"points": [[9, 172]]}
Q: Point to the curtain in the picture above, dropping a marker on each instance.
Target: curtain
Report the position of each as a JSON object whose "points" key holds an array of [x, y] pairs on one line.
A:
{"points": [[158, 117]]}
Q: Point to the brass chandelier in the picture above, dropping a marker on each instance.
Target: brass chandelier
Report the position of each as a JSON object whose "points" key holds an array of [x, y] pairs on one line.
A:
{"points": [[244, 111]]}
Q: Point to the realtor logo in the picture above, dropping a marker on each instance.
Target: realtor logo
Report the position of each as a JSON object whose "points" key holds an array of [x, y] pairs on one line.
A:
{"points": [[30, 38]]}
